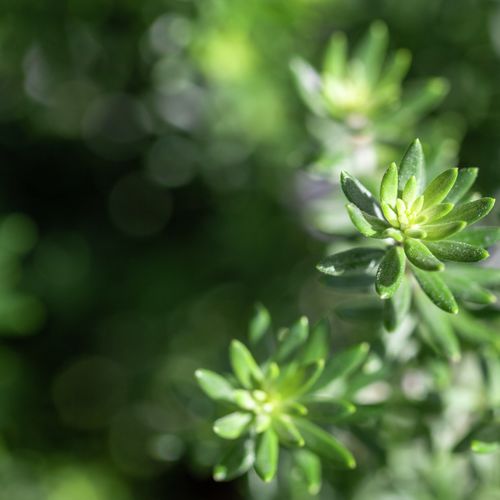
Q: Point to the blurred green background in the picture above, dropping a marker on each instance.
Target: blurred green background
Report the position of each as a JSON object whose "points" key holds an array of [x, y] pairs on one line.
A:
{"points": [[149, 162]]}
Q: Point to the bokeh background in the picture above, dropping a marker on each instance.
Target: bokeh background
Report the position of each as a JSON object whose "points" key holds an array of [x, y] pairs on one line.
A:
{"points": [[151, 156]]}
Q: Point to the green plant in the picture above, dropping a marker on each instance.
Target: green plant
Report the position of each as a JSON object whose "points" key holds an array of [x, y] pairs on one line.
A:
{"points": [[280, 402], [420, 227]]}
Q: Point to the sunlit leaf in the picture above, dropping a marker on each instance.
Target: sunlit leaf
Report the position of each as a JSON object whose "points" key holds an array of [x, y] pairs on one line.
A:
{"points": [[457, 251], [358, 194], [214, 385], [412, 164], [244, 365], [419, 255], [439, 188], [232, 426], [470, 212], [355, 260], [465, 180]]}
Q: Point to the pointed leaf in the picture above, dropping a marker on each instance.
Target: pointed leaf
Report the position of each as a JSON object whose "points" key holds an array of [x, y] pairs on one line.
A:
{"points": [[329, 411], [486, 276], [410, 191], [266, 461], [287, 431], [214, 385], [356, 260], [308, 83], [309, 466], [371, 52], [335, 57], [439, 188], [260, 324], [412, 164], [317, 344], [237, 461], [436, 289], [389, 186], [396, 69], [419, 255], [396, 308], [468, 291], [244, 365], [390, 272], [465, 179], [457, 251], [479, 236], [443, 230], [367, 225], [436, 212], [298, 380], [471, 212], [472, 329], [292, 338], [358, 194], [324, 444], [232, 426]]}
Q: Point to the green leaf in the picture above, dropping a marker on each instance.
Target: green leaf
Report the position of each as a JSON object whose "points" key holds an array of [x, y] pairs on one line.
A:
{"points": [[358, 194], [236, 462], [298, 380], [483, 447], [335, 58], [439, 188], [419, 255], [363, 310], [367, 225], [309, 466], [396, 308], [317, 345], [410, 191], [371, 51], [389, 186], [287, 431], [266, 461], [479, 236], [436, 330], [465, 180], [443, 230], [468, 291], [390, 272], [214, 385], [472, 329], [355, 281], [324, 444], [412, 164], [485, 276], [232, 426], [356, 260], [436, 289], [342, 364], [436, 212], [471, 212], [260, 324], [329, 411], [308, 84], [292, 338], [244, 365], [396, 69], [457, 251]]}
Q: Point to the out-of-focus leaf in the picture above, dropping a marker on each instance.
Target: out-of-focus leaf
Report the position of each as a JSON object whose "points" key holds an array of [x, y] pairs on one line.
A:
{"points": [[232, 426], [479, 236], [483, 447], [214, 385], [439, 188], [329, 411], [468, 291], [298, 380], [372, 51], [396, 308], [324, 444], [309, 85], [356, 281], [396, 69], [244, 365], [435, 288], [335, 57], [390, 272], [485, 276], [260, 324], [317, 345], [365, 310], [465, 180], [287, 431], [309, 466], [412, 164], [419, 255], [356, 260], [473, 329], [266, 460], [292, 338], [470, 212], [237, 461], [359, 195], [457, 251]]}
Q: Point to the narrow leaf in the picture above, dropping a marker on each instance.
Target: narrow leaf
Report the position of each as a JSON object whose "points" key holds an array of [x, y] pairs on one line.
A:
{"points": [[335, 58], [396, 69], [266, 461], [419, 255], [232, 426], [244, 365], [389, 186], [358, 194], [436, 289], [410, 191], [468, 291], [309, 466], [292, 338], [471, 212], [457, 251], [317, 344], [214, 385], [367, 225], [412, 164], [260, 324], [396, 308], [329, 411], [372, 51], [439, 188], [472, 329], [287, 431], [479, 236], [465, 179], [237, 461], [482, 447], [390, 272], [442, 230], [324, 444], [356, 260], [436, 212]]}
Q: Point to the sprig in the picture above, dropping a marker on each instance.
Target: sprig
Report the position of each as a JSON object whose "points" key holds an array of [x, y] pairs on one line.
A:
{"points": [[422, 227], [282, 402]]}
